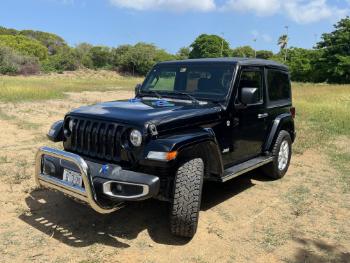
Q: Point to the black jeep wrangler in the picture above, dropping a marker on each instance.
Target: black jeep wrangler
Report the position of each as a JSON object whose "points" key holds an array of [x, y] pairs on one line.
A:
{"points": [[190, 121]]}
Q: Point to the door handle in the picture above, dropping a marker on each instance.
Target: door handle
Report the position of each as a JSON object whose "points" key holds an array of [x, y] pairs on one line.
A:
{"points": [[263, 115]]}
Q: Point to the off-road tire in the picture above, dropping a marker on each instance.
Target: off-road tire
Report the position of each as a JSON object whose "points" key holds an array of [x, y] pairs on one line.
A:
{"points": [[187, 196], [272, 169]]}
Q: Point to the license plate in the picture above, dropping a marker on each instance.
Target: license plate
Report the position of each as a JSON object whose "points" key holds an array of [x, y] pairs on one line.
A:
{"points": [[72, 178]]}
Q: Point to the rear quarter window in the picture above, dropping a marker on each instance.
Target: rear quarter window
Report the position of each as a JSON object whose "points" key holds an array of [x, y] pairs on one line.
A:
{"points": [[278, 84]]}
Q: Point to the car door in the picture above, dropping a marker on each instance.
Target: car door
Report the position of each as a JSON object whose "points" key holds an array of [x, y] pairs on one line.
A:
{"points": [[249, 124]]}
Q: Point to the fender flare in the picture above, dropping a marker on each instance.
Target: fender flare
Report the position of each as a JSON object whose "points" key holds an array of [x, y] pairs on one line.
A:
{"points": [[194, 143], [283, 121]]}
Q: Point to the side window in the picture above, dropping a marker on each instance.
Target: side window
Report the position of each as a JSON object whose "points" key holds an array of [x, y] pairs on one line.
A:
{"points": [[278, 85], [251, 79]]}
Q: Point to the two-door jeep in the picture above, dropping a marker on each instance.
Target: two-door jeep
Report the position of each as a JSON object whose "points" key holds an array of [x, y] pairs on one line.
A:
{"points": [[190, 121]]}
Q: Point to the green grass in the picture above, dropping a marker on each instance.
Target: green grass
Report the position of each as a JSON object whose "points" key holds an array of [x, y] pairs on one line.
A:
{"points": [[323, 122], [13, 89], [323, 113], [298, 197]]}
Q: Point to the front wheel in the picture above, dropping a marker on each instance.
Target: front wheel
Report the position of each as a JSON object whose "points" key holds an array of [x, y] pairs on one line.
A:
{"points": [[187, 196], [281, 152]]}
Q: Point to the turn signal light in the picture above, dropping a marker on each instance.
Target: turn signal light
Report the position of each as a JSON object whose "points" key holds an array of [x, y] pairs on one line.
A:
{"points": [[162, 156], [292, 111]]}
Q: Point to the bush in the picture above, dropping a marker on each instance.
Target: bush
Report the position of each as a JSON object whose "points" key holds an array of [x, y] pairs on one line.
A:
{"points": [[12, 63], [82, 53], [63, 61], [53, 42], [24, 46], [100, 57]]}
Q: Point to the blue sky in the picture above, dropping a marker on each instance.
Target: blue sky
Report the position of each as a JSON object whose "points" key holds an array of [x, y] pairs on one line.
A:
{"points": [[171, 24]]}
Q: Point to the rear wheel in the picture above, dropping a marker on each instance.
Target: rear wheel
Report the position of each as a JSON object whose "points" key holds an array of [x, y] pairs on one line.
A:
{"points": [[281, 152], [186, 202]]}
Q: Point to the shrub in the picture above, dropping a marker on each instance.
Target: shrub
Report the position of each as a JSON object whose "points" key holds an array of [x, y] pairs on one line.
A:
{"points": [[12, 63], [82, 53], [24, 46], [53, 42], [100, 57], [63, 61]]}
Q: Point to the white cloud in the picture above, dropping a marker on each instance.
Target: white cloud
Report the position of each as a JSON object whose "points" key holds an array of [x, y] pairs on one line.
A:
{"points": [[260, 7], [300, 11], [172, 5]]}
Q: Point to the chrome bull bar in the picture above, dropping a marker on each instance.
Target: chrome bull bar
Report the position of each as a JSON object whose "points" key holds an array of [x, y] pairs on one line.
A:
{"points": [[86, 194]]}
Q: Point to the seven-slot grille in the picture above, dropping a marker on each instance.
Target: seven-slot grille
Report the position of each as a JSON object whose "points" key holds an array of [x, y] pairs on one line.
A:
{"points": [[98, 139]]}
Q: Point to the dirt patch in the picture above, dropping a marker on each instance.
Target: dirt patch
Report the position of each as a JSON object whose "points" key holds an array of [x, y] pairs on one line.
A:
{"points": [[342, 143], [301, 218]]}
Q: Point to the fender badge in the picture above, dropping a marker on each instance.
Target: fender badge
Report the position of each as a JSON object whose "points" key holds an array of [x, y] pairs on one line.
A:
{"points": [[104, 169]]}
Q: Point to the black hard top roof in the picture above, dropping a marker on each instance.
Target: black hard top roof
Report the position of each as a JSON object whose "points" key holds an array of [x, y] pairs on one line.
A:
{"points": [[240, 61]]}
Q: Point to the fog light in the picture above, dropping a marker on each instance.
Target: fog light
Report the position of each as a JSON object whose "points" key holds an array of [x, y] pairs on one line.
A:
{"points": [[162, 156], [49, 167], [119, 188]]}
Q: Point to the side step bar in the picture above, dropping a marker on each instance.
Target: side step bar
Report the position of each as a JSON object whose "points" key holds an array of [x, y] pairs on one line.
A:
{"points": [[245, 167]]}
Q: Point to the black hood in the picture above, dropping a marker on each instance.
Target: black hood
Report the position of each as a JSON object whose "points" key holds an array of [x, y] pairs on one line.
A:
{"points": [[164, 114]]}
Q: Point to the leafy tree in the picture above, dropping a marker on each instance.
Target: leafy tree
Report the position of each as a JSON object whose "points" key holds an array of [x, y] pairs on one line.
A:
{"points": [[162, 55], [334, 62], [139, 58], [264, 54], [8, 31], [63, 61], [183, 53], [244, 51], [301, 64], [118, 55], [24, 45], [53, 42], [82, 53], [100, 56], [210, 46]]}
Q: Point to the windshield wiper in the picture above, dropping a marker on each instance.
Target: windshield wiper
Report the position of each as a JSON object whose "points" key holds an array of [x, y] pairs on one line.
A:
{"points": [[152, 92], [219, 102], [184, 94]]}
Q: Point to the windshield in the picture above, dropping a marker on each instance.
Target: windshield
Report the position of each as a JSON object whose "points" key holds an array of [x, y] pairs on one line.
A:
{"points": [[201, 82]]}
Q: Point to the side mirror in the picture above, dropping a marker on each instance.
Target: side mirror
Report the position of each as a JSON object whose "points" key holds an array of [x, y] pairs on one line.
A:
{"points": [[137, 89], [249, 95]]}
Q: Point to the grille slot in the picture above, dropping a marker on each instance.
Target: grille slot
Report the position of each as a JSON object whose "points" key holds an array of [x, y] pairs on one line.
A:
{"points": [[97, 139]]}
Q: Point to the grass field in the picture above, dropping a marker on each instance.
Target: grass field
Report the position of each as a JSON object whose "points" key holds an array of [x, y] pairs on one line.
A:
{"points": [[301, 218], [54, 86]]}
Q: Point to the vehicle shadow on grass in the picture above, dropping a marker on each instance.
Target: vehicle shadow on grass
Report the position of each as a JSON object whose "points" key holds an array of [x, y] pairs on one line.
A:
{"points": [[79, 226]]}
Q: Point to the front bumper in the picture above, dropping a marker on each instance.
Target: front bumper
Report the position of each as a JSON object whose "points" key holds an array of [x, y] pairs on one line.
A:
{"points": [[104, 187]]}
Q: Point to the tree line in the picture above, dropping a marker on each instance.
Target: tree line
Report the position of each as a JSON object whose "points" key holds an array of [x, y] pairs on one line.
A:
{"points": [[31, 52]]}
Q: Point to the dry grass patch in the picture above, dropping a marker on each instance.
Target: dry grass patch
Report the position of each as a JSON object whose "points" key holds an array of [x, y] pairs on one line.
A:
{"points": [[43, 87]]}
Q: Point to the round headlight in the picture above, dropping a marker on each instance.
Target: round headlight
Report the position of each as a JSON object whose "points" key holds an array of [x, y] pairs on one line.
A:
{"points": [[71, 125], [136, 138]]}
